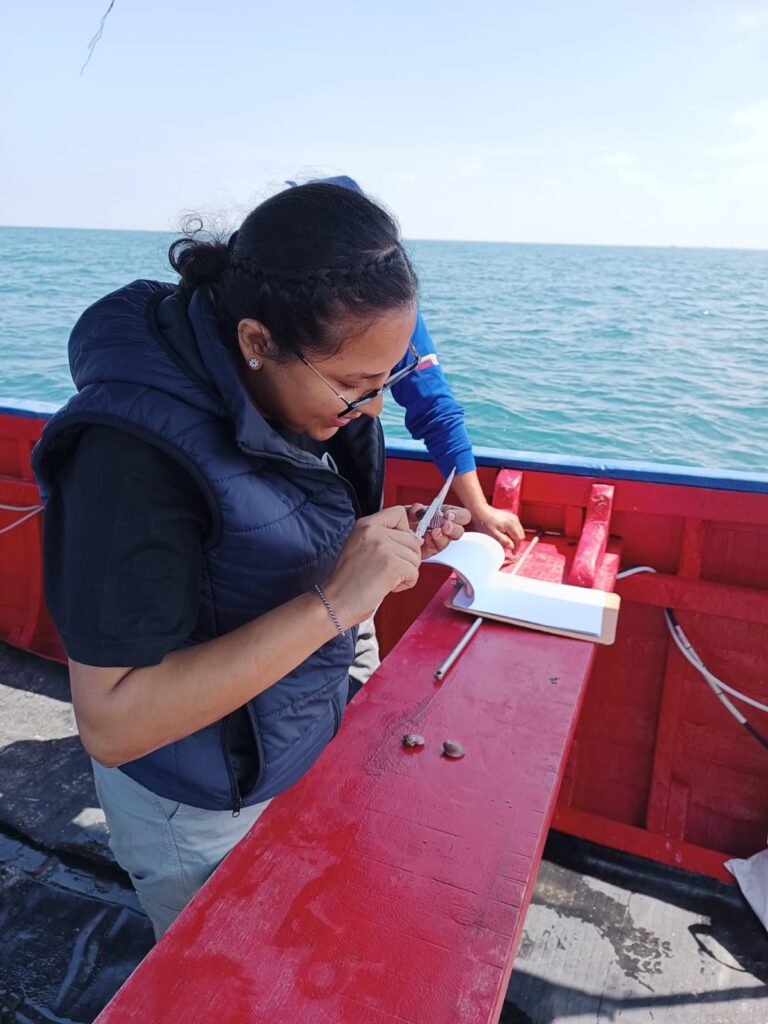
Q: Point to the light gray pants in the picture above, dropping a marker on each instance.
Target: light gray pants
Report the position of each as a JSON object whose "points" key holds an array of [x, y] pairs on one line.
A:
{"points": [[169, 849], [366, 656]]}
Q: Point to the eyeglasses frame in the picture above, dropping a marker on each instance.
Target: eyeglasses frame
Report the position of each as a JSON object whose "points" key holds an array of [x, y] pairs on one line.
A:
{"points": [[370, 396]]}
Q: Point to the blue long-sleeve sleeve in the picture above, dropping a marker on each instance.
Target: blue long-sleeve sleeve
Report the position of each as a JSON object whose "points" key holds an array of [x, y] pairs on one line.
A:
{"points": [[432, 413]]}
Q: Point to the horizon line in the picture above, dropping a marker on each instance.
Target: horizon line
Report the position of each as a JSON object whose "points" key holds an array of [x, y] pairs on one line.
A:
{"points": [[455, 241]]}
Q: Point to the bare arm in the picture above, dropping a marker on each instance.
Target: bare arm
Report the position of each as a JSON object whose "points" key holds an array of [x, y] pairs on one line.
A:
{"points": [[498, 523], [124, 713]]}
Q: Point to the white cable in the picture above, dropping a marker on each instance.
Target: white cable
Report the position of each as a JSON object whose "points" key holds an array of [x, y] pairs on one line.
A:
{"points": [[689, 652], [20, 508], [631, 572], [12, 526]]}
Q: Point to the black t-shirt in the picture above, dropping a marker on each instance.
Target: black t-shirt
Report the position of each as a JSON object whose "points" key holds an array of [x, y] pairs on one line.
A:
{"points": [[124, 532], [125, 528]]}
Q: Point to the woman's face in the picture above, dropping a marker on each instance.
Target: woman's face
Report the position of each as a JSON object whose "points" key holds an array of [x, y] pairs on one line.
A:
{"points": [[302, 400]]}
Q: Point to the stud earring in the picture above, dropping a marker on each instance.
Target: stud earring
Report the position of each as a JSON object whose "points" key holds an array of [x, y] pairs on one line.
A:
{"points": [[254, 363]]}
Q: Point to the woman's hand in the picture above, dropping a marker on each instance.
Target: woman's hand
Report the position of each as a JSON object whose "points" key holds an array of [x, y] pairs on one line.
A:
{"points": [[500, 524], [382, 556], [456, 519]]}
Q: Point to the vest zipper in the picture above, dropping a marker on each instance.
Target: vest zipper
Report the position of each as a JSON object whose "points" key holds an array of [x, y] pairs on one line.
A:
{"points": [[382, 468], [336, 714], [234, 788]]}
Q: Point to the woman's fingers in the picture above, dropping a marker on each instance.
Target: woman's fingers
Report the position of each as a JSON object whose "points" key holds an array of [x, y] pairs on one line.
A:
{"points": [[404, 536], [415, 512], [450, 514], [409, 576], [383, 555], [394, 518], [457, 514], [408, 542], [439, 538]]}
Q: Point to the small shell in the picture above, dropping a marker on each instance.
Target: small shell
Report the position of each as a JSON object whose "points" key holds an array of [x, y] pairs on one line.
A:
{"points": [[437, 519], [451, 748], [412, 739]]}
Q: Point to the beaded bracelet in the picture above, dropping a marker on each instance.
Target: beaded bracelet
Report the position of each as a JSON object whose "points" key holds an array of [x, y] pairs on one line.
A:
{"points": [[330, 610]]}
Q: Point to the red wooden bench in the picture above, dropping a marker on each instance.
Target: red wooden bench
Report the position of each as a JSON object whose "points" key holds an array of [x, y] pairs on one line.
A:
{"points": [[390, 884]]}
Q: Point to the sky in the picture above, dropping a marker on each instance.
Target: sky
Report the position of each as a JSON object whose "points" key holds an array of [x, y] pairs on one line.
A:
{"points": [[631, 123]]}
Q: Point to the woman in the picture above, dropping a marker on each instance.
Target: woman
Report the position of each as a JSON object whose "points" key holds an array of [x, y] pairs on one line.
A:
{"points": [[212, 531]]}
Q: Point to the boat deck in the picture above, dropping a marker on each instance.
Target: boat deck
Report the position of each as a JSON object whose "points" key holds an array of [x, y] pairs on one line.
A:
{"points": [[608, 936]]}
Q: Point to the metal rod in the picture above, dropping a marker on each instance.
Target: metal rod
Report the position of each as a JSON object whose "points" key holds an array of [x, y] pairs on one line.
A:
{"points": [[440, 673], [459, 647]]}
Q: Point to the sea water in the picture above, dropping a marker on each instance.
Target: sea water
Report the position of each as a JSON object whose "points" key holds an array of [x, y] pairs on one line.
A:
{"points": [[656, 355]]}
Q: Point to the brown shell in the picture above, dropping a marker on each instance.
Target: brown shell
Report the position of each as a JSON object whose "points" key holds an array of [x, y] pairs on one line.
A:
{"points": [[452, 748], [413, 739]]}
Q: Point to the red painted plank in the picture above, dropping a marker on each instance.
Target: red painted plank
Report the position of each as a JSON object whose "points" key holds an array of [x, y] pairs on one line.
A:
{"points": [[671, 716], [21, 582], [18, 435], [641, 498], [663, 849], [723, 600], [387, 885]]}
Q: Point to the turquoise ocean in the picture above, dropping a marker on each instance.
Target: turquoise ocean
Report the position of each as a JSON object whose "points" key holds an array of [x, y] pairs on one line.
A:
{"points": [[606, 352]]}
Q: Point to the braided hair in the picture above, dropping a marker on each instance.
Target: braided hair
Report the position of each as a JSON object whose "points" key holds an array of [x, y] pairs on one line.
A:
{"points": [[302, 263]]}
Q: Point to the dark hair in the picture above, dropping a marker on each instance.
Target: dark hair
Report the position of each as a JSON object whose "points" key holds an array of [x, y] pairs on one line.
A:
{"points": [[300, 263]]}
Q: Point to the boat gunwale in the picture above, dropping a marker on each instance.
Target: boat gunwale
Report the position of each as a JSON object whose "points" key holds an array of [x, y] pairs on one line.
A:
{"points": [[571, 465]]}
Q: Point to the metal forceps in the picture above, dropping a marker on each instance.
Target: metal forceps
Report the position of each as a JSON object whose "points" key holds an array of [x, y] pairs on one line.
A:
{"points": [[432, 517]]}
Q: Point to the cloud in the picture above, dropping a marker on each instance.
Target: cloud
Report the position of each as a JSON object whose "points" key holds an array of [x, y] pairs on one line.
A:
{"points": [[748, 155], [619, 160], [754, 119], [751, 19], [452, 168], [625, 166]]}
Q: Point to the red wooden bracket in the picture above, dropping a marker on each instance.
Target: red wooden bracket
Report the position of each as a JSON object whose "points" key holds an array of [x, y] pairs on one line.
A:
{"points": [[594, 537], [507, 489]]}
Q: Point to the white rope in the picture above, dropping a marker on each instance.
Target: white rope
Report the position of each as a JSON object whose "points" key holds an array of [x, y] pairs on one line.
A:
{"points": [[688, 651], [631, 572], [31, 510]]}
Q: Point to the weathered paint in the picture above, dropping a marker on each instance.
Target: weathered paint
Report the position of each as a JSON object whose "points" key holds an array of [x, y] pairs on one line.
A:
{"points": [[387, 885]]}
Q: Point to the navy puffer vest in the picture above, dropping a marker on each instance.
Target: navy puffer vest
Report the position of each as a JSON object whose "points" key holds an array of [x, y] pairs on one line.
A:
{"points": [[147, 361]]}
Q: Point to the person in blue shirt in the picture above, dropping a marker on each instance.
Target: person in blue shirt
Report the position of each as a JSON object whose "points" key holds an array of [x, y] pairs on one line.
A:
{"points": [[434, 416]]}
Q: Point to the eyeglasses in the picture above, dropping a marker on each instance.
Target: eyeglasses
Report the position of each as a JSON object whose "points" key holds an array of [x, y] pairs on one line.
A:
{"points": [[370, 395]]}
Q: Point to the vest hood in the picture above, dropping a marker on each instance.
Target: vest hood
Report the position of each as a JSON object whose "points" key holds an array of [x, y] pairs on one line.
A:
{"points": [[151, 331]]}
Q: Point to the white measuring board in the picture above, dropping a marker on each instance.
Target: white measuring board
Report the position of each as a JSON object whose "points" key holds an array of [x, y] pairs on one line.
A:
{"points": [[534, 604]]}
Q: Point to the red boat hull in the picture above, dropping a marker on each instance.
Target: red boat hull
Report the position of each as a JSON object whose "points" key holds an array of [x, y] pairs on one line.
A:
{"points": [[656, 766]]}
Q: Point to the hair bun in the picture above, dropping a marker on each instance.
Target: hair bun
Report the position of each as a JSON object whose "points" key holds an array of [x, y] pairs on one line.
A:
{"points": [[197, 262]]}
